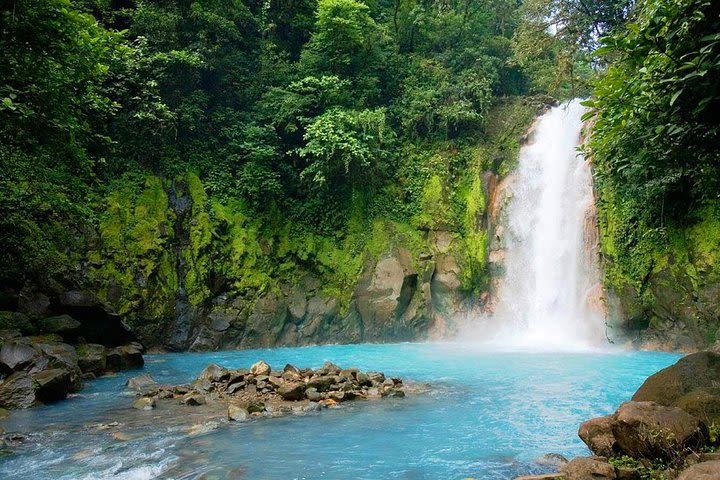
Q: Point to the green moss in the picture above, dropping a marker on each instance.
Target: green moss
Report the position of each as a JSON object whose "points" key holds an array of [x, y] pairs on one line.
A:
{"points": [[196, 254]]}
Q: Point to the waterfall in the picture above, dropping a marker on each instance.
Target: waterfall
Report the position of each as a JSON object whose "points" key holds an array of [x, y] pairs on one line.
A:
{"points": [[544, 300]]}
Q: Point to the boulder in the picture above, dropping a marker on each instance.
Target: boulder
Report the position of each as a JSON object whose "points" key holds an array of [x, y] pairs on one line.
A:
{"points": [[691, 384], [598, 436], [212, 373], [92, 358], [292, 391], [552, 459], [313, 395], [125, 357], [322, 383], [16, 356], [260, 368], [649, 430], [144, 403], [141, 383], [53, 384], [60, 354], [236, 413], [588, 468], [702, 471], [193, 399], [58, 324], [33, 304], [16, 391]]}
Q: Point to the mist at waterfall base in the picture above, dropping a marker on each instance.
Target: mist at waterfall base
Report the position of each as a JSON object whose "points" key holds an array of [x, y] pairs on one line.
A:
{"points": [[550, 269], [489, 416]]}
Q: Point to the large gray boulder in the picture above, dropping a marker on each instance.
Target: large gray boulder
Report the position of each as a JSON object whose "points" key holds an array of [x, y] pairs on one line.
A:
{"points": [[125, 357], [92, 358], [53, 384], [16, 356]]}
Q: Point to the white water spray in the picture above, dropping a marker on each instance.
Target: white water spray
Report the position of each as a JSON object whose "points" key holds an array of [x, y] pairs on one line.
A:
{"points": [[543, 301]]}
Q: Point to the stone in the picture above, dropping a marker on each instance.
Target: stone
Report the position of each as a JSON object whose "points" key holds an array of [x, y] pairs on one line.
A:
{"points": [[598, 436], [60, 354], [376, 377], [322, 383], [53, 384], [92, 358], [552, 459], [58, 324], [16, 356], [544, 476], [363, 379], [649, 430], [16, 391], [702, 471], [144, 403], [193, 399], [141, 383], [260, 368], [213, 373], [125, 357], [588, 468], [313, 395], [237, 413], [328, 368]]}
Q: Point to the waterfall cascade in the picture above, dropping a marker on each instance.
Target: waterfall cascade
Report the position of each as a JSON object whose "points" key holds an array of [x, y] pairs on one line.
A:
{"points": [[545, 298]]}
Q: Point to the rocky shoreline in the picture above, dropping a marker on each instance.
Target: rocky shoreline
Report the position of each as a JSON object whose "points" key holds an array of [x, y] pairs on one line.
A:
{"points": [[55, 342], [259, 391], [668, 431]]}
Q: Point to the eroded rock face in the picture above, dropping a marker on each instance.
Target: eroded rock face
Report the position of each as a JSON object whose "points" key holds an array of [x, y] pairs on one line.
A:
{"points": [[397, 298]]}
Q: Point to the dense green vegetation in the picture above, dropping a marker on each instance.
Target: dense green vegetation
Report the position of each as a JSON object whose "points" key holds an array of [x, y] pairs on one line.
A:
{"points": [[158, 146], [203, 146], [655, 148]]}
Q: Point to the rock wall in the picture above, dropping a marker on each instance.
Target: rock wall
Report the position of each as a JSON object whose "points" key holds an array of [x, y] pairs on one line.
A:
{"points": [[397, 298]]}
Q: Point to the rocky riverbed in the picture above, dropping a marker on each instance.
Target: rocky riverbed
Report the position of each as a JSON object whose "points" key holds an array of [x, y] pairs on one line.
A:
{"points": [[669, 430], [260, 391]]}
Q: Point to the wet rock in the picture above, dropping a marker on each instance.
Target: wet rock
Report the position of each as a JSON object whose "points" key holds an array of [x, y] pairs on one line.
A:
{"points": [[212, 373], [58, 324], [203, 428], [237, 413], [16, 391], [328, 368], [141, 383], [60, 354], [598, 436], [193, 399], [53, 384], [260, 368], [125, 357], [92, 358], [34, 304], [649, 430], [588, 468], [16, 356], [144, 403], [322, 383], [552, 459], [702, 471], [313, 395]]}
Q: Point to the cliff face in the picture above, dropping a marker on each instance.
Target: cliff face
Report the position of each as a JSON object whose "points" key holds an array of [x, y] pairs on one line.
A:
{"points": [[187, 272], [676, 304]]}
